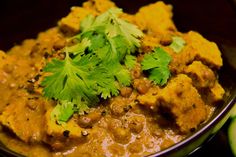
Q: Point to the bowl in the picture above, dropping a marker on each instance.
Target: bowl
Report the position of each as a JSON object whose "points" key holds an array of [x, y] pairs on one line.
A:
{"points": [[215, 20]]}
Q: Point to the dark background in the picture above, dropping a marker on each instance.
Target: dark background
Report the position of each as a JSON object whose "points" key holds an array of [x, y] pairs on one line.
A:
{"points": [[21, 19], [215, 19]]}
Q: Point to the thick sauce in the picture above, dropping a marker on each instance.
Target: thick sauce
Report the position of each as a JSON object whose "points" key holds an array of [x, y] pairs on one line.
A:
{"points": [[143, 119]]}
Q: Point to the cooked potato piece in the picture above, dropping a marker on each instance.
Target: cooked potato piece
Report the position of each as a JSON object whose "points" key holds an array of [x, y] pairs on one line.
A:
{"points": [[216, 93], [61, 136], [205, 51], [149, 43], [196, 48], [150, 99], [181, 100], [99, 6], [2, 58], [25, 48], [18, 116], [182, 59], [159, 22], [57, 130], [71, 23], [201, 75]]}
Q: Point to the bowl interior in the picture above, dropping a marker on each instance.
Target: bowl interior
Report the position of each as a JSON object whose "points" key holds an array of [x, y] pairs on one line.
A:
{"points": [[24, 19]]}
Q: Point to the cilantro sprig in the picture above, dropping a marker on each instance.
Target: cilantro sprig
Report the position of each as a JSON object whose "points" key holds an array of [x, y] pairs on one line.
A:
{"points": [[156, 64], [111, 40], [93, 66], [177, 44]]}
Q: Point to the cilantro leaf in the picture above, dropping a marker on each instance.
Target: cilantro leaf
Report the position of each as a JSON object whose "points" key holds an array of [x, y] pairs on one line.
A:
{"points": [[156, 64], [177, 44], [87, 23], [103, 82], [80, 47], [111, 40], [77, 82], [121, 73], [112, 26], [111, 51], [63, 111], [68, 80], [130, 32], [159, 75], [158, 58], [130, 61]]}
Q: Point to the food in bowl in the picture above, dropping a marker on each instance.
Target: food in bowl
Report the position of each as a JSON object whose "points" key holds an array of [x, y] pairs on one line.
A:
{"points": [[107, 83]]}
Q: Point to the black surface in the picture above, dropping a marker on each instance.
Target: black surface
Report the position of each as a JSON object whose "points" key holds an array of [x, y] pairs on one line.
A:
{"points": [[215, 19], [21, 19]]}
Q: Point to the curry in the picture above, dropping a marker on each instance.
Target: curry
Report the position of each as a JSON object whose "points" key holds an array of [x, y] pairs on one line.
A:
{"points": [[145, 116]]}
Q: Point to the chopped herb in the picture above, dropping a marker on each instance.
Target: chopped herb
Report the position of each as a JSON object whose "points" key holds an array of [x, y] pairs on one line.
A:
{"points": [[62, 112], [93, 66], [156, 64], [177, 44], [80, 47], [130, 61], [77, 82], [112, 26]]}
